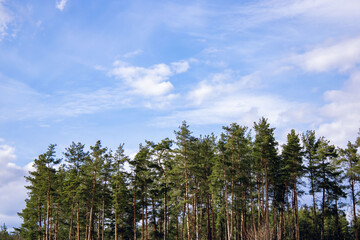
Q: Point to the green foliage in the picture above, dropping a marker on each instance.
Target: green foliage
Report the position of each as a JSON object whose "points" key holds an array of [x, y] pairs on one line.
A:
{"points": [[231, 187]]}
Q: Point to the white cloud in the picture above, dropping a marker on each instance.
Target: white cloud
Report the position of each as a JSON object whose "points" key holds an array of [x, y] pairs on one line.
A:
{"points": [[342, 112], [180, 67], [133, 53], [225, 83], [5, 19], [321, 11], [341, 56], [225, 97], [61, 4], [243, 108], [12, 190], [149, 82]]}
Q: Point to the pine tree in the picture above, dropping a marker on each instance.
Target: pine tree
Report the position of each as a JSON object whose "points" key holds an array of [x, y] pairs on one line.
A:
{"points": [[75, 156], [351, 158], [93, 167], [325, 180], [184, 142], [311, 145], [41, 192], [292, 155], [265, 154], [120, 193]]}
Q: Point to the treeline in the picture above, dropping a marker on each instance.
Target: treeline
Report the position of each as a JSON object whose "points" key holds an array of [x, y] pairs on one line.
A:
{"points": [[240, 185], [5, 235]]}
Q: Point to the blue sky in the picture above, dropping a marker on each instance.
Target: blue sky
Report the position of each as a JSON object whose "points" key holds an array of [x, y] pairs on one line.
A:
{"points": [[126, 71]]}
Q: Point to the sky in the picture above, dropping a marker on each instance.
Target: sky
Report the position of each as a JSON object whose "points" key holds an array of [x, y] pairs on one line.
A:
{"points": [[125, 71]]}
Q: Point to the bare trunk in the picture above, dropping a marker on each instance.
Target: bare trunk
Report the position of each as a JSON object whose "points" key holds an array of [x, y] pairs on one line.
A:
{"points": [[297, 228], [354, 209], [243, 219], [267, 225], [187, 208], [56, 228], [183, 222], [165, 217], [259, 227], [143, 221], [208, 231], [71, 221], [253, 224], [146, 220], [227, 210], [232, 198], [47, 214], [39, 216], [281, 224], [103, 220], [92, 208], [337, 226], [314, 213], [77, 221], [177, 228], [134, 213], [99, 226], [213, 221], [323, 208], [154, 216]]}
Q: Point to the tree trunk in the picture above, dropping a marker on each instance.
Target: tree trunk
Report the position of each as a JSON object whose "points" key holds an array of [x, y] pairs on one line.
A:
{"points": [[134, 213], [314, 211], [227, 210], [232, 197], [297, 228], [92, 208], [267, 224], [314, 201], [208, 231], [165, 216], [71, 221], [354, 209], [187, 203], [116, 219], [143, 220], [323, 215], [183, 222], [154, 216], [213, 221], [281, 224], [103, 220], [146, 219], [337, 226], [323, 206], [99, 226], [196, 216], [47, 214], [259, 211], [39, 216], [78, 221]]}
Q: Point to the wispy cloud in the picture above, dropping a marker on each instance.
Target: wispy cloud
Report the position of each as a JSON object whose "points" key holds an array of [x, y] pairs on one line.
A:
{"points": [[322, 10], [133, 53], [341, 56], [61, 4], [92, 102], [5, 19]]}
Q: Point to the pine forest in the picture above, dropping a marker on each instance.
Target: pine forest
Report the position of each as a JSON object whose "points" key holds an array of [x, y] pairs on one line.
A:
{"points": [[240, 185]]}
